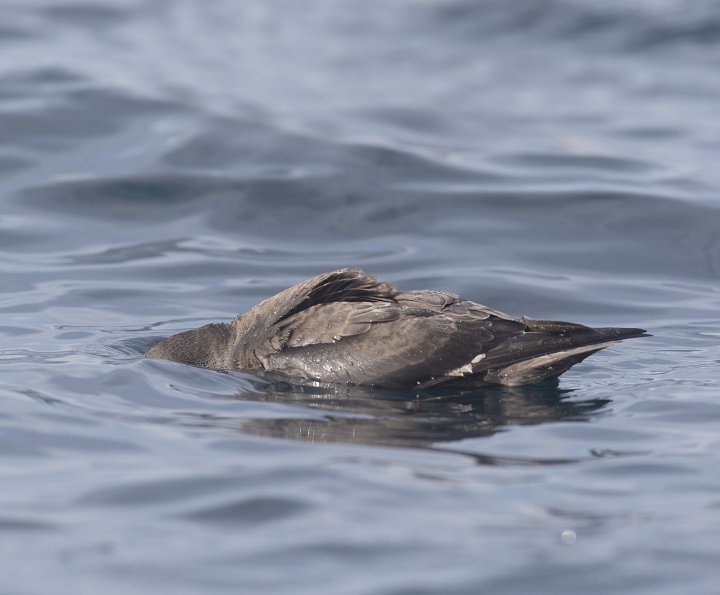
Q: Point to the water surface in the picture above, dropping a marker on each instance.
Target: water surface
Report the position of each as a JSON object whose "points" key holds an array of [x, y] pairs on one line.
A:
{"points": [[168, 164]]}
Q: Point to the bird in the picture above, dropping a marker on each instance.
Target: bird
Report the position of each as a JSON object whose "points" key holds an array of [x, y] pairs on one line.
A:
{"points": [[347, 327]]}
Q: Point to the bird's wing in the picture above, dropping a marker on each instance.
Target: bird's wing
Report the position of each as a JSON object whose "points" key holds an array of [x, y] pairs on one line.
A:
{"points": [[329, 323], [344, 326], [343, 285], [298, 313], [414, 339], [449, 341]]}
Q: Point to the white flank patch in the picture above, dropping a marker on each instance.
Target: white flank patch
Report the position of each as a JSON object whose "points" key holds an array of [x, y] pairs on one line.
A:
{"points": [[467, 368]]}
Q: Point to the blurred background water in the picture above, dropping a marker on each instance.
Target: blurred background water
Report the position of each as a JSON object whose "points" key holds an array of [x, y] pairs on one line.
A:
{"points": [[168, 163]]}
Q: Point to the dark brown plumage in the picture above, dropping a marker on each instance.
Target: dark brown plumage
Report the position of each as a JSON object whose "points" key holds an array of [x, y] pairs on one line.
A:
{"points": [[346, 327]]}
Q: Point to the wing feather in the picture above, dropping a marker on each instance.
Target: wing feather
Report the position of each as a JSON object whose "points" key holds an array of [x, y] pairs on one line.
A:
{"points": [[260, 330]]}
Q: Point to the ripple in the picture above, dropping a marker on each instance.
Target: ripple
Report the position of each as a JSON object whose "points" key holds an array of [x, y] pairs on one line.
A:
{"points": [[121, 198], [250, 511], [28, 80], [23, 441], [640, 27], [583, 162], [86, 15], [161, 491], [125, 254], [408, 118], [10, 164], [10, 34], [16, 524]]}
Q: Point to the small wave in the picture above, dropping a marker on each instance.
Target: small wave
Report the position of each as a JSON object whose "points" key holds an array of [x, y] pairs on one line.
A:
{"points": [[641, 26]]}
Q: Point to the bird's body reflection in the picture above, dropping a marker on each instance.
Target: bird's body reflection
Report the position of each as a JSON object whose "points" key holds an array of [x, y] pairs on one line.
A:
{"points": [[405, 418]]}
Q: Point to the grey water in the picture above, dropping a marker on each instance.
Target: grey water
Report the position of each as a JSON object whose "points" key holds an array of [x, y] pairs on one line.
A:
{"points": [[165, 164]]}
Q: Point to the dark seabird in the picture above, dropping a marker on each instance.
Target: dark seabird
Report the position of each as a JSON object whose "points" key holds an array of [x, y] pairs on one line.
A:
{"points": [[347, 327]]}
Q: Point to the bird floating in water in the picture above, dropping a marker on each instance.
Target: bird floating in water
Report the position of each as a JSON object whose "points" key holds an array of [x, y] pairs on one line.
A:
{"points": [[347, 327]]}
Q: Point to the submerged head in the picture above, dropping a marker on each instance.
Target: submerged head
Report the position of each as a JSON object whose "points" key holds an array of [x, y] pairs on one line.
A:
{"points": [[208, 346]]}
